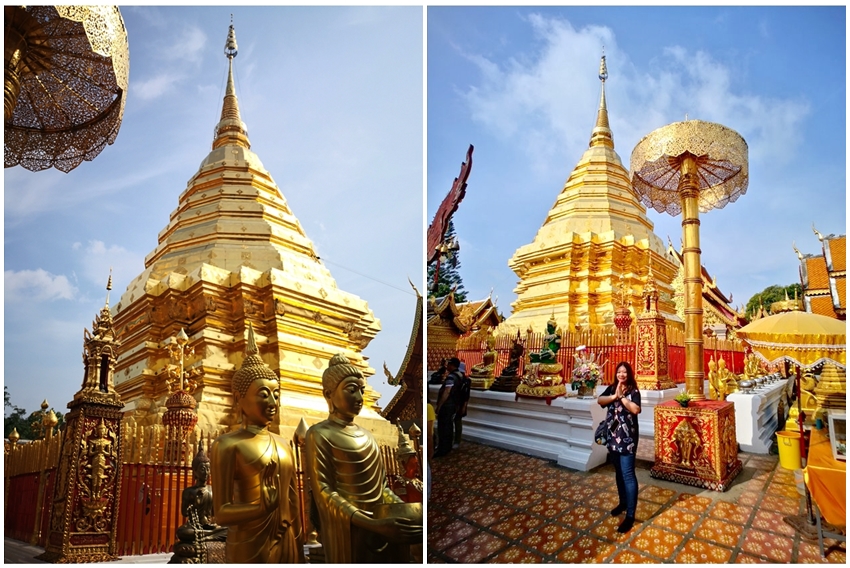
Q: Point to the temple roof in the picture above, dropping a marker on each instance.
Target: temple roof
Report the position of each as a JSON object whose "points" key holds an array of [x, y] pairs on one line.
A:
{"points": [[407, 402], [823, 276], [714, 299], [445, 309], [479, 313]]}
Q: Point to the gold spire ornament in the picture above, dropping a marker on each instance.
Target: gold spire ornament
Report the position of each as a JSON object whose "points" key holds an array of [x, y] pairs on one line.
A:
{"points": [[65, 77]]}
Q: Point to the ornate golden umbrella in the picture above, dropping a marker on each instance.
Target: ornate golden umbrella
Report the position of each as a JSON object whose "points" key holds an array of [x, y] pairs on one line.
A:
{"points": [[803, 338], [64, 84], [689, 167]]}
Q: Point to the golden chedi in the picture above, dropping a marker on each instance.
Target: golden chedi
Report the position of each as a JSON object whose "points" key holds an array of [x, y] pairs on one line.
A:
{"points": [[596, 233], [234, 252], [253, 472], [360, 518]]}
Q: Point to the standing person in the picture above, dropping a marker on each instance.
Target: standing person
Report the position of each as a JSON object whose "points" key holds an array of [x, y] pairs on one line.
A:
{"points": [[462, 392], [623, 402], [447, 407]]}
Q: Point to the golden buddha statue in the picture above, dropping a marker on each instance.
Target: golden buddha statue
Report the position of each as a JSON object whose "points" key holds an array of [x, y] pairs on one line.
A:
{"points": [[483, 374], [751, 366], [358, 514], [721, 381], [254, 485]]}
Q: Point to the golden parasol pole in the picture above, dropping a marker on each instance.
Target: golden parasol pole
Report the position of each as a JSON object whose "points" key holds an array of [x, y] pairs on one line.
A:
{"points": [[694, 351]]}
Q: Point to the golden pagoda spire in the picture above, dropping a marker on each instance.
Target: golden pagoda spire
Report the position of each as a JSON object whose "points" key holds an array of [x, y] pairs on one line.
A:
{"points": [[231, 129], [602, 135]]}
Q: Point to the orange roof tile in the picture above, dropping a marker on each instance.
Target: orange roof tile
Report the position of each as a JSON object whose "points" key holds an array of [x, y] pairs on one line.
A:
{"points": [[822, 305], [838, 252], [817, 275]]}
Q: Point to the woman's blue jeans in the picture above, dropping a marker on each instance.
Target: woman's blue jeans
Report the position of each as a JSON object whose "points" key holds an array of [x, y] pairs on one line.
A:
{"points": [[627, 486]]}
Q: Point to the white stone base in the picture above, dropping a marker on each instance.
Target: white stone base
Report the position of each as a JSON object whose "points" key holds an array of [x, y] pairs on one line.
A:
{"points": [[756, 417], [562, 431]]}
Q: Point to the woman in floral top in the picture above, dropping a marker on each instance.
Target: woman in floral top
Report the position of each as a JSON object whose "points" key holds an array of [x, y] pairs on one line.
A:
{"points": [[623, 402]]}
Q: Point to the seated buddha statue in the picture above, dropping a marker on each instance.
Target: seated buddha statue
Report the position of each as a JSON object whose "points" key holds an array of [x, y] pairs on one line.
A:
{"points": [[551, 345], [508, 380], [482, 375], [751, 366], [254, 486], [360, 519], [196, 537]]}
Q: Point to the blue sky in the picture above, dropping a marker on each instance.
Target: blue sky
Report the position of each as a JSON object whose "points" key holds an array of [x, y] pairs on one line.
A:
{"points": [[333, 101], [521, 85]]}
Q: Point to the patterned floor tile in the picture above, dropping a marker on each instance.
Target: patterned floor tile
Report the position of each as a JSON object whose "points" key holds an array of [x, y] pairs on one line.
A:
{"points": [[517, 526], [602, 482], [646, 510], [437, 517], [730, 512], [476, 548], [772, 546], [762, 463], [698, 551], [771, 521], [677, 520], [586, 549], [517, 555], [656, 494], [434, 559], [549, 507], [784, 476], [782, 505], [750, 498], [657, 542], [523, 498], [490, 514], [450, 534], [720, 532], [744, 558], [500, 490], [631, 557], [605, 500], [692, 502], [549, 539], [556, 486], [783, 490], [468, 503], [581, 517], [809, 553]]}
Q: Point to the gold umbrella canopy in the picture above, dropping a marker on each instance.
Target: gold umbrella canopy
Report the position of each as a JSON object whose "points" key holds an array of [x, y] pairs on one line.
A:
{"points": [[721, 160], [65, 78], [803, 338]]}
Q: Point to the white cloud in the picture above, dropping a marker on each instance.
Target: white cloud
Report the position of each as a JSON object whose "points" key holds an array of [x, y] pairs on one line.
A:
{"points": [[541, 98], [155, 86], [99, 258], [38, 285], [189, 45]]}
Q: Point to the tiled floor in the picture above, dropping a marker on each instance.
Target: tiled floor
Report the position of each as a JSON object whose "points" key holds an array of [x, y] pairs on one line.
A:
{"points": [[491, 505]]}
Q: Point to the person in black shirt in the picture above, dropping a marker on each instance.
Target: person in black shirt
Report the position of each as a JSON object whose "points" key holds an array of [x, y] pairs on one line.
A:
{"points": [[623, 402], [447, 407], [462, 389]]}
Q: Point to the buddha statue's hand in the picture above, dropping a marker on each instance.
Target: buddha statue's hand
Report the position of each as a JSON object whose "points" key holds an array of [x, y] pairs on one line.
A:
{"points": [[396, 529], [268, 490]]}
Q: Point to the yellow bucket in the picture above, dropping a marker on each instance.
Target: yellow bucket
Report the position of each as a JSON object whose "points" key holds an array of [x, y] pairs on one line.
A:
{"points": [[789, 449]]}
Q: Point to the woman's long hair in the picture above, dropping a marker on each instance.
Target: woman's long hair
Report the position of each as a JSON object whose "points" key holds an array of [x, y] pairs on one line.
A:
{"points": [[631, 383]]}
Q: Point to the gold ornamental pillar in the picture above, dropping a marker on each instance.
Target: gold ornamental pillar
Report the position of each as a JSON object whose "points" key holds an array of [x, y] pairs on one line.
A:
{"points": [[691, 167], [694, 352]]}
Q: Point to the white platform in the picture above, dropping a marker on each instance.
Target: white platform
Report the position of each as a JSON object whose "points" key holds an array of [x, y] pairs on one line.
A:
{"points": [[756, 417], [562, 431], [649, 399]]}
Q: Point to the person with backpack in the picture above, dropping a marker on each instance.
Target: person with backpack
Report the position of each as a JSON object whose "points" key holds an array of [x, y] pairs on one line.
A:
{"points": [[463, 386], [447, 407]]}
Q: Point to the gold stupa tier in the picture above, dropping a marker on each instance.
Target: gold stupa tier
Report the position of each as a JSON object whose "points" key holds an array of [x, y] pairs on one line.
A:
{"points": [[596, 232], [232, 253]]}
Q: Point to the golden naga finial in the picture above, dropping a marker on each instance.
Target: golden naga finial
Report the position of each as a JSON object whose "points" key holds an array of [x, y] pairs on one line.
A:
{"points": [[794, 246], [820, 236]]}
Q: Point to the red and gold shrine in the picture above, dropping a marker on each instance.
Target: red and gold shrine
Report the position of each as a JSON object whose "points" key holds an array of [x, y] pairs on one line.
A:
{"points": [[696, 445]]}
